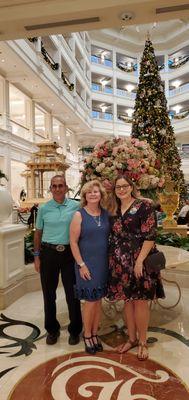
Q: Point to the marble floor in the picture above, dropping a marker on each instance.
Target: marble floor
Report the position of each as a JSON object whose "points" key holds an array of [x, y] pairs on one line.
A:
{"points": [[29, 369]]}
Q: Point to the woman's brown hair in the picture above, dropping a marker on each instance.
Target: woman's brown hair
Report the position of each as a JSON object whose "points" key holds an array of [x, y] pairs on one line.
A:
{"points": [[115, 201]]}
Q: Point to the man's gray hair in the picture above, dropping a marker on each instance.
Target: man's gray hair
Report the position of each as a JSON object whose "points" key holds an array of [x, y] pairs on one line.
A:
{"points": [[59, 176]]}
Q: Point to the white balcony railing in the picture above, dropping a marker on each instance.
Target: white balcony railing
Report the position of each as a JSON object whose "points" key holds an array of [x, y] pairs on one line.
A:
{"points": [[101, 61], [100, 115], [102, 89], [179, 90], [125, 93]]}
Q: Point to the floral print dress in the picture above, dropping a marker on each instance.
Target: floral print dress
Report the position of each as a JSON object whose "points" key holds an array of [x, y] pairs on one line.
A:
{"points": [[128, 232]]}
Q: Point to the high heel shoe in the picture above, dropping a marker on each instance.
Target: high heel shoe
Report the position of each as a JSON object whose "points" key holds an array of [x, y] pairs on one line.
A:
{"points": [[97, 344], [89, 345]]}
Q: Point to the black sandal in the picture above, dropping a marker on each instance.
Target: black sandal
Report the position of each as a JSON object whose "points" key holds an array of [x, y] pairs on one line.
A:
{"points": [[97, 344], [89, 345]]}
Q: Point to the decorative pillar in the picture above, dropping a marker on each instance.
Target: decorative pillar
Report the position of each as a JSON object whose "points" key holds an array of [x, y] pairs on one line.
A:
{"points": [[48, 125], [62, 140], [7, 162], [30, 118], [74, 144], [166, 59], [32, 194], [5, 105]]}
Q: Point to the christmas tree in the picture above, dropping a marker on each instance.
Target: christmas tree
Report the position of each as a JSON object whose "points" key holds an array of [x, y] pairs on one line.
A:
{"points": [[151, 120]]}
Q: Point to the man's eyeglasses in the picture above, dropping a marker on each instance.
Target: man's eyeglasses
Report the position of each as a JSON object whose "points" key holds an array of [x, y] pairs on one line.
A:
{"points": [[119, 187], [60, 186]]}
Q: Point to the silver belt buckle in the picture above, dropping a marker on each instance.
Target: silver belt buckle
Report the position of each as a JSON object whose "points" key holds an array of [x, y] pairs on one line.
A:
{"points": [[60, 247]]}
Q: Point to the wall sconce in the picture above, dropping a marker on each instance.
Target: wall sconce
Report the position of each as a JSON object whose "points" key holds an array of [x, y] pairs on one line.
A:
{"points": [[130, 112], [130, 87], [176, 84], [104, 82], [177, 108], [103, 108]]}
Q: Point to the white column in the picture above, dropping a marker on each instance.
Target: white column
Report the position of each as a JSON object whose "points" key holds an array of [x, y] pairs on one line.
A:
{"points": [[138, 64], [38, 45], [72, 79], [114, 59], [166, 87], [74, 144], [59, 72], [62, 140], [7, 163], [30, 117], [48, 126], [5, 105], [71, 41], [166, 58], [114, 89], [72, 173]]}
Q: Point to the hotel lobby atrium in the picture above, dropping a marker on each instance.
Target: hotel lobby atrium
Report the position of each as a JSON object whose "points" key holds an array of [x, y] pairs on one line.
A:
{"points": [[69, 74]]}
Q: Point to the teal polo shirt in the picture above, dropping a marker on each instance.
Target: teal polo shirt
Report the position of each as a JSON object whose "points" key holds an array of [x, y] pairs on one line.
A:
{"points": [[54, 220]]}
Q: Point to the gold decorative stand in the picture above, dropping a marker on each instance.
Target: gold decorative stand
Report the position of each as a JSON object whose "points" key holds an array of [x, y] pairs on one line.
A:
{"points": [[169, 200], [39, 172]]}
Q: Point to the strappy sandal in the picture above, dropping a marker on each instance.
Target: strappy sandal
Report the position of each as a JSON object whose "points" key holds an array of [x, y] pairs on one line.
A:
{"points": [[142, 351], [97, 344], [89, 345], [131, 343]]}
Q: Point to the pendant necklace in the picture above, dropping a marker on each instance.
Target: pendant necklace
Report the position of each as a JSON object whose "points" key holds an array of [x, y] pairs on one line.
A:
{"points": [[97, 219]]}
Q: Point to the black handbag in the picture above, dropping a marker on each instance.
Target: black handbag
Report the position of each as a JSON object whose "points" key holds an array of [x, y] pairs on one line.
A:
{"points": [[155, 262]]}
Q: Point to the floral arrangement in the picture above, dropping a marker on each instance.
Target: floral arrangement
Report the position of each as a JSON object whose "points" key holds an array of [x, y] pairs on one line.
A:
{"points": [[129, 156]]}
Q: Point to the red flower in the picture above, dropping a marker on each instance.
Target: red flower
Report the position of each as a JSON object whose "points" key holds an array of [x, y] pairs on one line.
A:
{"points": [[118, 269]]}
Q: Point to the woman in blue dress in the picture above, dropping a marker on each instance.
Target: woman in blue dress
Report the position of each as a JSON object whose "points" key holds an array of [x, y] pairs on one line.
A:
{"points": [[89, 233]]}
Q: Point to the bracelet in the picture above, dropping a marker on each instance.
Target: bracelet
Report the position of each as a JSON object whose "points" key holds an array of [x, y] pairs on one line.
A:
{"points": [[36, 253], [81, 264]]}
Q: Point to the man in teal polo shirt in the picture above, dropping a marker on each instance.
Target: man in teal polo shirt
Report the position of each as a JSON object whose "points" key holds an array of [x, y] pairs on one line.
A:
{"points": [[52, 256]]}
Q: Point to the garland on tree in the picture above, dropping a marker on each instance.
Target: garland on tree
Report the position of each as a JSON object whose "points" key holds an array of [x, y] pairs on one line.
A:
{"points": [[151, 120]]}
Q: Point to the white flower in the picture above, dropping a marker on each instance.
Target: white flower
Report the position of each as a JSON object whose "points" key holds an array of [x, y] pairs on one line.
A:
{"points": [[100, 167]]}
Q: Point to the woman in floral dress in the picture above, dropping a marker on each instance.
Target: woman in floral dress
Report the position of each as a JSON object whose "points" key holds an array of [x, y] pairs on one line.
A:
{"points": [[132, 237]]}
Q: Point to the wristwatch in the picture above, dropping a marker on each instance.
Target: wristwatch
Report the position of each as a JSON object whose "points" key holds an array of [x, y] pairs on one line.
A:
{"points": [[80, 265]]}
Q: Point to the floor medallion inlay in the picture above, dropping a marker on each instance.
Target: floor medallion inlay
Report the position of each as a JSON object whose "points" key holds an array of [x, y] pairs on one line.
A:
{"points": [[105, 376]]}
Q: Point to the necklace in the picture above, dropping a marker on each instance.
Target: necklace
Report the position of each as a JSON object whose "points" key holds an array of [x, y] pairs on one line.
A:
{"points": [[125, 208], [97, 219]]}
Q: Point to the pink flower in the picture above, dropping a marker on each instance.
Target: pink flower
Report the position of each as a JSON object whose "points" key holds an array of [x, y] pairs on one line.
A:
{"points": [[129, 156]]}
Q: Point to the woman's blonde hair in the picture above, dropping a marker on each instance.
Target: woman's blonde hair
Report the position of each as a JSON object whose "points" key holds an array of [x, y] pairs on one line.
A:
{"points": [[87, 187]]}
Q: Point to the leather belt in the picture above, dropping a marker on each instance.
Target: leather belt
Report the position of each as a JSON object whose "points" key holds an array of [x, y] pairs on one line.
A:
{"points": [[58, 247]]}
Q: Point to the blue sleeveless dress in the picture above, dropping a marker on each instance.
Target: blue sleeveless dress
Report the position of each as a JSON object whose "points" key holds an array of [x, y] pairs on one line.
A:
{"points": [[93, 245]]}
